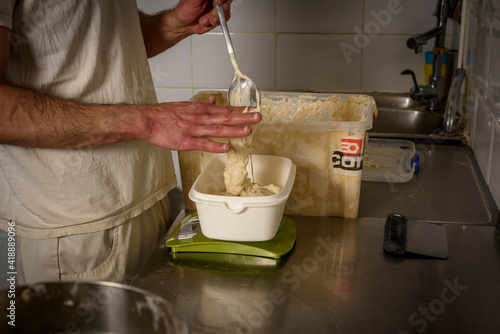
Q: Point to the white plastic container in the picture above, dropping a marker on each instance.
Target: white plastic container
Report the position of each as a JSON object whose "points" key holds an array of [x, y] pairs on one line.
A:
{"points": [[389, 160], [242, 218]]}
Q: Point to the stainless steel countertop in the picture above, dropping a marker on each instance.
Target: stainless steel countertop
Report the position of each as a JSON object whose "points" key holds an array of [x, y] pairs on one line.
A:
{"points": [[448, 188], [338, 279]]}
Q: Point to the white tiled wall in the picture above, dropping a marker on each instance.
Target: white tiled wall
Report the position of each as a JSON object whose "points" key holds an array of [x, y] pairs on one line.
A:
{"points": [[482, 61], [320, 16], [310, 62]]}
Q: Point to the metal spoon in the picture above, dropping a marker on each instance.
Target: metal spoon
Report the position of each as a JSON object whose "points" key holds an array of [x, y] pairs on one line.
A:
{"points": [[243, 91]]}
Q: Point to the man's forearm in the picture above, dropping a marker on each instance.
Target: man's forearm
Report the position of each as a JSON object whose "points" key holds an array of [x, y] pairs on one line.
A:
{"points": [[160, 32], [34, 120], [31, 119]]}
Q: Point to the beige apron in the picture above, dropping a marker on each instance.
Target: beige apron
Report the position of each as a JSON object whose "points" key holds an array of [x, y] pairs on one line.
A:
{"points": [[115, 254]]}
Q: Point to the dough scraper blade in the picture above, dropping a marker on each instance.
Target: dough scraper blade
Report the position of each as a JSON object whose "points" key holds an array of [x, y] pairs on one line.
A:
{"points": [[402, 236]]}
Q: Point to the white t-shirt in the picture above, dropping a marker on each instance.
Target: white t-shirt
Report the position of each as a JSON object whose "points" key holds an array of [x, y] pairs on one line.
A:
{"points": [[90, 51]]}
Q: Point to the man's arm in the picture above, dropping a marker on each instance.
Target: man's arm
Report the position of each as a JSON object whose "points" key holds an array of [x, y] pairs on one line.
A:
{"points": [[165, 29], [31, 119]]}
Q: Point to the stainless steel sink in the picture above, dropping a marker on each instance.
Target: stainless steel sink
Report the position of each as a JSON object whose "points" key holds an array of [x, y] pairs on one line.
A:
{"points": [[401, 117], [396, 100], [413, 123]]}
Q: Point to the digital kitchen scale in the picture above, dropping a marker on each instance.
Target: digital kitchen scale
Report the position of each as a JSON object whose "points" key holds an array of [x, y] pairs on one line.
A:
{"points": [[188, 237]]}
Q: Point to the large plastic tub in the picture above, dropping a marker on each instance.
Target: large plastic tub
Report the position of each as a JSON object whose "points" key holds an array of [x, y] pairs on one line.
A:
{"points": [[324, 136], [242, 218]]}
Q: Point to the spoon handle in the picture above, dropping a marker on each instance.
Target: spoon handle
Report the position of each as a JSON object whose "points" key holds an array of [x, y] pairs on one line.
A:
{"points": [[223, 24]]}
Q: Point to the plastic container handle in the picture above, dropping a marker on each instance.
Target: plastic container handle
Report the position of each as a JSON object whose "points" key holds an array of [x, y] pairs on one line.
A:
{"points": [[237, 209]]}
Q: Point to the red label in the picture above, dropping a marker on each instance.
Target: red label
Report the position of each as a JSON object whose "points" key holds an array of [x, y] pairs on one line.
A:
{"points": [[352, 147]]}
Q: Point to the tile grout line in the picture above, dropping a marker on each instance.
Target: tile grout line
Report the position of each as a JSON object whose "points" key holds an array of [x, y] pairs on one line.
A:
{"points": [[275, 79], [362, 49]]}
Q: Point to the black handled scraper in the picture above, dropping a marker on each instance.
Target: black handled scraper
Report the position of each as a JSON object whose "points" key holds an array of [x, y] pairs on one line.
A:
{"points": [[402, 236]]}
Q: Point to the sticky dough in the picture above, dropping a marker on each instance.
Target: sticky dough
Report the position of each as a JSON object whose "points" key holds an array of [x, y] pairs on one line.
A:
{"points": [[239, 155], [235, 174]]}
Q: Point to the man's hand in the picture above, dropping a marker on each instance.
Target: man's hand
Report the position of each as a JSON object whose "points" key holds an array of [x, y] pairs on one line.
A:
{"points": [[187, 126], [199, 16], [167, 28]]}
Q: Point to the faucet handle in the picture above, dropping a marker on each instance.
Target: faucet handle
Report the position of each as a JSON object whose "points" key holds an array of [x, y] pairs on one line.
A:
{"points": [[410, 72], [414, 91], [417, 92]]}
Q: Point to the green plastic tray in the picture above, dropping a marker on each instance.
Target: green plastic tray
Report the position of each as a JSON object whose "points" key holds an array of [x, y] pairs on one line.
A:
{"points": [[188, 237]]}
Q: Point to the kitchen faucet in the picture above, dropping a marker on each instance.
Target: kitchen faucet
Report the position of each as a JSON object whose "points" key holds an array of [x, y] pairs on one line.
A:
{"points": [[431, 92]]}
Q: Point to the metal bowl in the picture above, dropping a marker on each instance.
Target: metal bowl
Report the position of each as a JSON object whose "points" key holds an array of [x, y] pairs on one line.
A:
{"points": [[86, 307]]}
